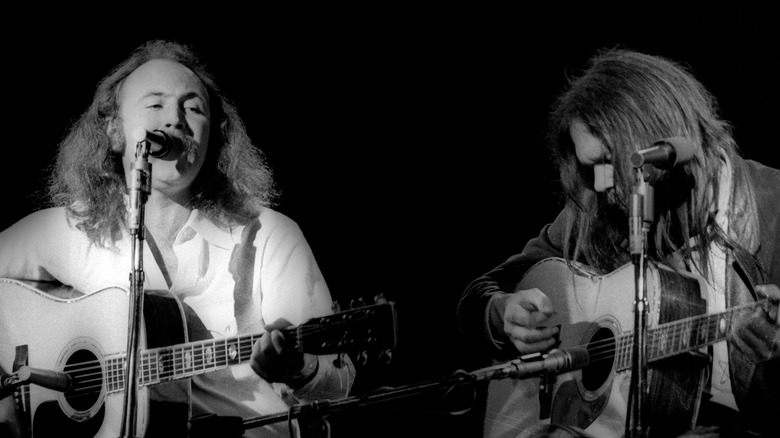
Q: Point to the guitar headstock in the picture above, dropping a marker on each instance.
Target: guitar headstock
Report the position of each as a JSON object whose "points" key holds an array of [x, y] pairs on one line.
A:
{"points": [[357, 330]]}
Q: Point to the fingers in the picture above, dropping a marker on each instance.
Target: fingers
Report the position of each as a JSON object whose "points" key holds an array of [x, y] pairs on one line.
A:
{"points": [[772, 294], [752, 347], [770, 291], [531, 340], [529, 308], [756, 337], [263, 354], [762, 334], [278, 324], [277, 340], [272, 361], [525, 313], [534, 300]]}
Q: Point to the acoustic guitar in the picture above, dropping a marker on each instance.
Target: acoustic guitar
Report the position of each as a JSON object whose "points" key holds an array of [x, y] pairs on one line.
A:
{"points": [[85, 338], [596, 312]]}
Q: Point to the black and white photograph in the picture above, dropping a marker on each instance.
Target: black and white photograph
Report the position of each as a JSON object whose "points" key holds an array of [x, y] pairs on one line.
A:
{"points": [[380, 219]]}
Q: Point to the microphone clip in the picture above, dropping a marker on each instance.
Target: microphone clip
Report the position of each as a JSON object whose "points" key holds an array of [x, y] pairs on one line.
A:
{"points": [[155, 143], [27, 375], [9, 383]]}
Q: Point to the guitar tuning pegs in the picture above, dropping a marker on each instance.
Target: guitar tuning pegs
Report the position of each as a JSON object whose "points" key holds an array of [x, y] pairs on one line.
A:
{"points": [[357, 303], [386, 356], [380, 298], [335, 307], [338, 362], [362, 358]]}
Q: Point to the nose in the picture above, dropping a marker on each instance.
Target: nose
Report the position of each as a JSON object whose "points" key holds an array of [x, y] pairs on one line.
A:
{"points": [[174, 118], [590, 149]]}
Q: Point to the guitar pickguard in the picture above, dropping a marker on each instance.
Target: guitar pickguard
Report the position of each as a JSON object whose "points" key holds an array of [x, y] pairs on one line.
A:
{"points": [[581, 399]]}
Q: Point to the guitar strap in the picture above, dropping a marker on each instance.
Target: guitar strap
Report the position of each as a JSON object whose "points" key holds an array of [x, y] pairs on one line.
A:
{"points": [[242, 263], [158, 257]]}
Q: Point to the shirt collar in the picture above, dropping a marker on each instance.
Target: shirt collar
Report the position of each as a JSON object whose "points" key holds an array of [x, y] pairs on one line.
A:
{"points": [[724, 193], [199, 224]]}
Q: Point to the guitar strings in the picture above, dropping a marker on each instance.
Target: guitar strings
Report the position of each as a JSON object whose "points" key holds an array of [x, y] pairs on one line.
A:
{"points": [[598, 351], [677, 331], [89, 375]]}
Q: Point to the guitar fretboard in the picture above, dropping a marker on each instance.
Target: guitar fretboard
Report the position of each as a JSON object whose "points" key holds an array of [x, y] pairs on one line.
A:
{"points": [[357, 329], [164, 364], [687, 334]]}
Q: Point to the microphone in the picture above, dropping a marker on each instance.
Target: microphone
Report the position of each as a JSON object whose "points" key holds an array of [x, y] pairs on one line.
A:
{"points": [[160, 141], [46, 378], [558, 361], [664, 154], [24, 375]]}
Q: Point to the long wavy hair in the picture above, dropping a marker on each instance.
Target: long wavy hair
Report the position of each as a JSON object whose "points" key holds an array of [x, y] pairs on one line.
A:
{"points": [[629, 101], [233, 185]]}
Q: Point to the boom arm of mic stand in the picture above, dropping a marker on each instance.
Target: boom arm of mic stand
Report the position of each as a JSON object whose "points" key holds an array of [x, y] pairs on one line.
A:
{"points": [[558, 361], [313, 411]]}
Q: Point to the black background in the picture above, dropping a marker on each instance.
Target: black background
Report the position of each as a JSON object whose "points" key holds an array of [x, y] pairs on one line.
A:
{"points": [[406, 139]]}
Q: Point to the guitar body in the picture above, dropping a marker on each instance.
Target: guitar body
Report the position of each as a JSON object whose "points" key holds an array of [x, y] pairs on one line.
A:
{"points": [[597, 312], [86, 337]]}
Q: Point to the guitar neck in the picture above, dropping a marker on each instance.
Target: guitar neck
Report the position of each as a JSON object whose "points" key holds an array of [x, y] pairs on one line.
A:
{"points": [[681, 336], [166, 364], [368, 327]]}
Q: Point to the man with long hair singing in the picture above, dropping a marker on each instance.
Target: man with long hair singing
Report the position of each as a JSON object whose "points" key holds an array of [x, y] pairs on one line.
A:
{"points": [[212, 240]]}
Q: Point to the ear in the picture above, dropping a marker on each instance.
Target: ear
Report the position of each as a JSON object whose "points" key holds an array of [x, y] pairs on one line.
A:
{"points": [[113, 130]]}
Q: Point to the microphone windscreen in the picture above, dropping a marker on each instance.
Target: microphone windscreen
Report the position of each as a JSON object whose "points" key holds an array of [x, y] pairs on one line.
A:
{"points": [[683, 148], [139, 134]]}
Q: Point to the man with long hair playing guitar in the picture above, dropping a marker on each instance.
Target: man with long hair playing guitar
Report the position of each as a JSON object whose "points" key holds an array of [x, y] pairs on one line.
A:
{"points": [[715, 228]]}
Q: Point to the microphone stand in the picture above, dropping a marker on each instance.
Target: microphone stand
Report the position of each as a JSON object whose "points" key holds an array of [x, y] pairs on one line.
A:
{"points": [[312, 421], [311, 416], [140, 188], [642, 216]]}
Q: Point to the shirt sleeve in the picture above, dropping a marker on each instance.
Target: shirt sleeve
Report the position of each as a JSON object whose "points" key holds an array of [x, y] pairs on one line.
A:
{"points": [[28, 246], [473, 312], [293, 289]]}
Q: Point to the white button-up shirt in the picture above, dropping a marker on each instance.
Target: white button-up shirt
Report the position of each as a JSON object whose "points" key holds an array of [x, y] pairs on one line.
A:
{"points": [[286, 283]]}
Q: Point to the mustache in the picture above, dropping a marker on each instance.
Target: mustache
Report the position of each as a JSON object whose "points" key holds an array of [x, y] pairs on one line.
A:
{"points": [[184, 146], [190, 149], [183, 143]]}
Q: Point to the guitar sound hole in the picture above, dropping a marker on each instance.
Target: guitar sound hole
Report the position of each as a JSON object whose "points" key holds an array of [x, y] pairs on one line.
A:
{"points": [[601, 350], [86, 376]]}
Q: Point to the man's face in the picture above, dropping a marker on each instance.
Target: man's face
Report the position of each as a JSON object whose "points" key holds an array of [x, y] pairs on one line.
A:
{"points": [[164, 95], [591, 152]]}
